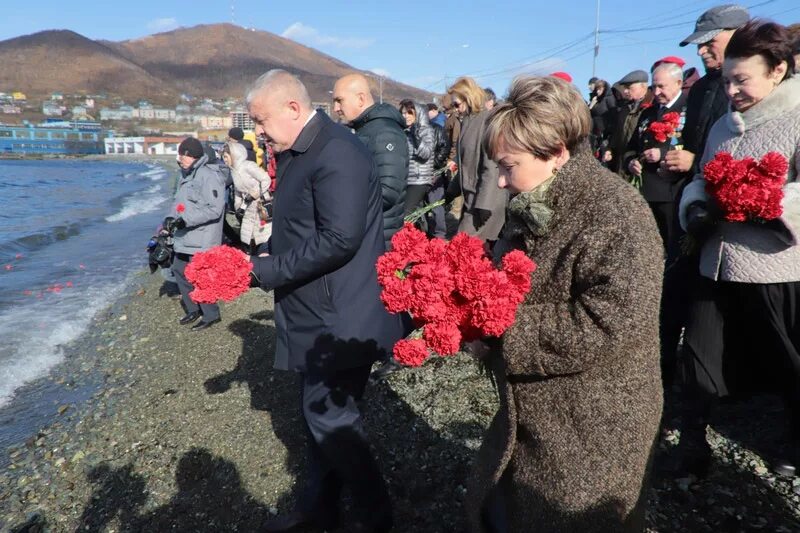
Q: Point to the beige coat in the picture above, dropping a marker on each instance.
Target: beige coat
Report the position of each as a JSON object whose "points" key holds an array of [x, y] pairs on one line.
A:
{"points": [[249, 180], [578, 372]]}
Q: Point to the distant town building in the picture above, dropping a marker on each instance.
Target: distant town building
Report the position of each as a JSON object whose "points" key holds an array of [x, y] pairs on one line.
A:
{"points": [[89, 103], [57, 96], [18, 96], [52, 108], [10, 109], [183, 109], [51, 138], [142, 145], [241, 119], [121, 113], [210, 122]]}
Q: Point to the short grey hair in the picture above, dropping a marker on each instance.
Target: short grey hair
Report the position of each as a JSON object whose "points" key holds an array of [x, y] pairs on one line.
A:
{"points": [[671, 69], [279, 80]]}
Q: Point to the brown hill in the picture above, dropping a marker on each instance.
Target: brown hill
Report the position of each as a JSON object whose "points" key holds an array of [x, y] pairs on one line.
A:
{"points": [[223, 59], [62, 60], [217, 60]]}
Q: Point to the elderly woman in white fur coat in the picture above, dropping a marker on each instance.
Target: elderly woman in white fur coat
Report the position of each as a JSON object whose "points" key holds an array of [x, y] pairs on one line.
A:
{"points": [[251, 193], [752, 269]]}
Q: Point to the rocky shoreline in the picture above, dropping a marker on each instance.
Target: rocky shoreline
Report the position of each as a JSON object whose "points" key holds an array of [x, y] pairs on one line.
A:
{"points": [[195, 432]]}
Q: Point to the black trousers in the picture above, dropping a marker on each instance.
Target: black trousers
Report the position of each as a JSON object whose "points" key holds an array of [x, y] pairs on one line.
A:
{"points": [[414, 196], [338, 451], [744, 337], [210, 311], [666, 216]]}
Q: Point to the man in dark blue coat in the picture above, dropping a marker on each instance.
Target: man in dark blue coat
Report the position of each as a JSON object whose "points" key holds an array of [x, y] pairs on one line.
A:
{"points": [[331, 325]]}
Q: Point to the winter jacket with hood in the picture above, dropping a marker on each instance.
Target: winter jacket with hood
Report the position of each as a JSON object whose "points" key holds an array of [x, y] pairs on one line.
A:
{"points": [[420, 149], [201, 190], [380, 128], [250, 182]]}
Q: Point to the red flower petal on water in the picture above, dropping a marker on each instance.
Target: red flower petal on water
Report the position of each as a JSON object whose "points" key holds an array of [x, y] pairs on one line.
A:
{"points": [[27, 292], [18, 256], [180, 208], [9, 267], [69, 284]]}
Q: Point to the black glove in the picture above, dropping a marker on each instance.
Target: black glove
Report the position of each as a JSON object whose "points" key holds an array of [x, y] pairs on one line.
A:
{"points": [[179, 223], [700, 224]]}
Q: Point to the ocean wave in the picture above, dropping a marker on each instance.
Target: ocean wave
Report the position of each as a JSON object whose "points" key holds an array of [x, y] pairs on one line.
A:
{"points": [[48, 328], [141, 202], [40, 239], [155, 173]]}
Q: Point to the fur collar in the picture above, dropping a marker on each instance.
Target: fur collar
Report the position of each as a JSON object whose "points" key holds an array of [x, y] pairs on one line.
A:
{"points": [[783, 99]]}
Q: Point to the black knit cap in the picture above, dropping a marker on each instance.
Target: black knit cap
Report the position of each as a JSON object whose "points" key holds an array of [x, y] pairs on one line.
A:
{"points": [[236, 134], [191, 147]]}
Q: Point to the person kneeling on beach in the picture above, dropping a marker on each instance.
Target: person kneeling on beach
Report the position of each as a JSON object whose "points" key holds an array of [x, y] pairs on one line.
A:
{"points": [[201, 193]]}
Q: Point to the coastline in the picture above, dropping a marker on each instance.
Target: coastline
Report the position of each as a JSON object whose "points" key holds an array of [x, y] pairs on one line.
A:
{"points": [[195, 432]]}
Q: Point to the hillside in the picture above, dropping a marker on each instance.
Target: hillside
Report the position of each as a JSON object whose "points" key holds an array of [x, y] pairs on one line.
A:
{"points": [[217, 60]]}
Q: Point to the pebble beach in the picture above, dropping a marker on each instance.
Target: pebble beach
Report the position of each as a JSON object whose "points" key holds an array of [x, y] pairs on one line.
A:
{"points": [[170, 430]]}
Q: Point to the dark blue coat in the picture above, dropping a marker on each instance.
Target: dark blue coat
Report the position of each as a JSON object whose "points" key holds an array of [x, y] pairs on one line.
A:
{"points": [[327, 234]]}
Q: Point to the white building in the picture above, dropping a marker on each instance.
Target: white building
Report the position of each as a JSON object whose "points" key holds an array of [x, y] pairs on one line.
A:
{"points": [[142, 145], [52, 109], [241, 119]]}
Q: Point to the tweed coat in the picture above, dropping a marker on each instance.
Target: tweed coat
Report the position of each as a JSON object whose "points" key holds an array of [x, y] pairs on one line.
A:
{"points": [[578, 372]]}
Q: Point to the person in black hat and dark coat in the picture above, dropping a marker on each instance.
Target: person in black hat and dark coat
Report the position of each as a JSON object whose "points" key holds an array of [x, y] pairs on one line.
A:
{"points": [[201, 193], [635, 99], [237, 135]]}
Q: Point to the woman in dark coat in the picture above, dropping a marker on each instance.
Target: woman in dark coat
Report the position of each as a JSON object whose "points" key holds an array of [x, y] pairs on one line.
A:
{"points": [[578, 372]]}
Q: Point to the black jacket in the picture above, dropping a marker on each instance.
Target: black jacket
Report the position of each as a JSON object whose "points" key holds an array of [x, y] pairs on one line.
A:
{"points": [[380, 127], [706, 104], [327, 234], [664, 187], [603, 113], [441, 146], [624, 121]]}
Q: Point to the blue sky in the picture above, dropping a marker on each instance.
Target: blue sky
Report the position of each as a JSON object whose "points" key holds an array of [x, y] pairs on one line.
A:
{"points": [[422, 43]]}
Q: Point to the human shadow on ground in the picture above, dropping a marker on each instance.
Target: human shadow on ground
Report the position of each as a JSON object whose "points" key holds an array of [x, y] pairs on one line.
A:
{"points": [[425, 470], [168, 289]]}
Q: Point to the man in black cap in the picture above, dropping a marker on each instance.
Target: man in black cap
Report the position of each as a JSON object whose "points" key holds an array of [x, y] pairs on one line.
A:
{"points": [[201, 197], [707, 100], [636, 98], [688, 298], [236, 134]]}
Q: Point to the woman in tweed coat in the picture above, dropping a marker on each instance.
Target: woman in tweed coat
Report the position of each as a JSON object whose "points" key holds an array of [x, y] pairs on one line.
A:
{"points": [[578, 372]]}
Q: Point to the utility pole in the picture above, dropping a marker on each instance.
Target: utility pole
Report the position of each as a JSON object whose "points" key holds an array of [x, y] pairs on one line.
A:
{"points": [[380, 85], [233, 12], [596, 39]]}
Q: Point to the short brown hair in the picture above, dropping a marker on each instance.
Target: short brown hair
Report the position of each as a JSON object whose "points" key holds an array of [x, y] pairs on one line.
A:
{"points": [[470, 92], [769, 40], [540, 116]]}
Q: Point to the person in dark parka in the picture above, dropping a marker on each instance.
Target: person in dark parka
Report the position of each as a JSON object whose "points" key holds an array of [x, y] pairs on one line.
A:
{"points": [[331, 324], [380, 127]]}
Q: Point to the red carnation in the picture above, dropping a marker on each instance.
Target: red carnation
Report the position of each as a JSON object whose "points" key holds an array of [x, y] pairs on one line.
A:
{"points": [[220, 273], [746, 189], [443, 337], [180, 208], [410, 352], [665, 128], [452, 291]]}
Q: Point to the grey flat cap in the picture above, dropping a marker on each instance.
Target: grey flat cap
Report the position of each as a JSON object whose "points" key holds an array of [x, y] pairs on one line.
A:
{"points": [[716, 20], [637, 76]]}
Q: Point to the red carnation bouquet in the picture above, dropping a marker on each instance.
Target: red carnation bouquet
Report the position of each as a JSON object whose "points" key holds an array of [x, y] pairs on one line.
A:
{"points": [[219, 273], [452, 291], [663, 129], [746, 189]]}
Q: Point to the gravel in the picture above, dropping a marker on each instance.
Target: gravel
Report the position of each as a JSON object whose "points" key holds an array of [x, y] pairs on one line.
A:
{"points": [[195, 432]]}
